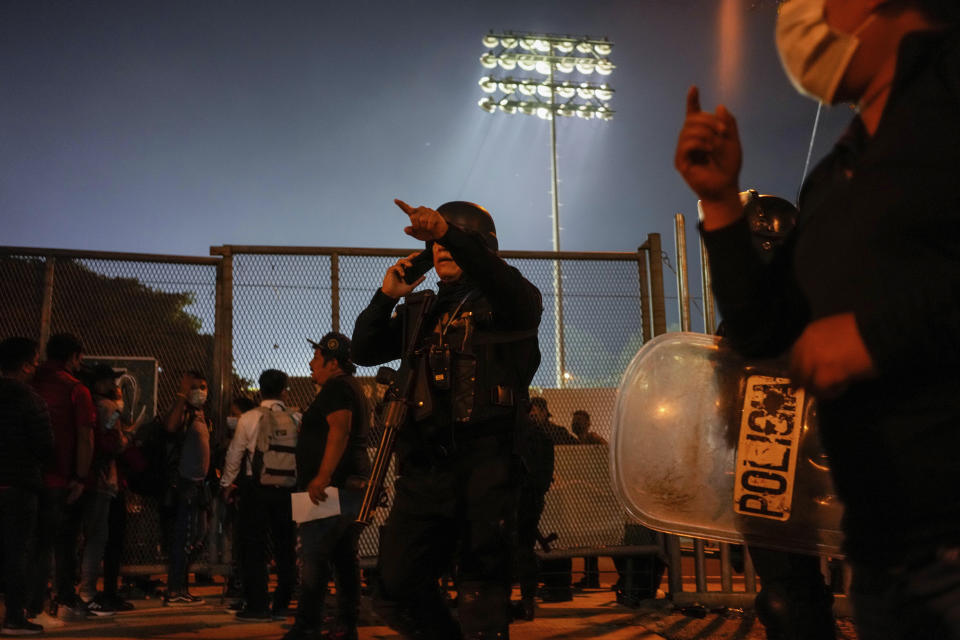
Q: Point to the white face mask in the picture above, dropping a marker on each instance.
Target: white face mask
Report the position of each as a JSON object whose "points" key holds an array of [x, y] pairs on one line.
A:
{"points": [[197, 397], [814, 55], [232, 422]]}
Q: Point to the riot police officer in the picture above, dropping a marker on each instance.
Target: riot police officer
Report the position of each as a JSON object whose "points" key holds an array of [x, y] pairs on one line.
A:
{"points": [[794, 603], [457, 474]]}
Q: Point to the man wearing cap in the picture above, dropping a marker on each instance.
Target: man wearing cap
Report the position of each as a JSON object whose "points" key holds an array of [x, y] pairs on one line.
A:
{"points": [[332, 452], [458, 470]]}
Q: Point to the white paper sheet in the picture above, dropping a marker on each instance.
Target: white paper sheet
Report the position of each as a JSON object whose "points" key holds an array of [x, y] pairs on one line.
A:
{"points": [[304, 510]]}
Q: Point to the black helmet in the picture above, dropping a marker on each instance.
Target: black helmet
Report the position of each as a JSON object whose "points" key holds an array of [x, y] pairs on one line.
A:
{"points": [[472, 218], [771, 220]]}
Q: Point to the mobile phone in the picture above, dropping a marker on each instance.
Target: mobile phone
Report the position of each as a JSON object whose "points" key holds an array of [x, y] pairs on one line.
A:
{"points": [[422, 262]]}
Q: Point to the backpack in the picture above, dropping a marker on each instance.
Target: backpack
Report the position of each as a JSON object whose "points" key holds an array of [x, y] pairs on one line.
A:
{"points": [[274, 462]]}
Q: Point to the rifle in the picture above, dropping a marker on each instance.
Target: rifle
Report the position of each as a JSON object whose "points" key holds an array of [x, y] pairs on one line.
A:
{"points": [[397, 401]]}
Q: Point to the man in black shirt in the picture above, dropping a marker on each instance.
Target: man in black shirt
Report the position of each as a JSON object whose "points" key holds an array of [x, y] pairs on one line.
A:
{"points": [[865, 297], [458, 470], [332, 452], [26, 444]]}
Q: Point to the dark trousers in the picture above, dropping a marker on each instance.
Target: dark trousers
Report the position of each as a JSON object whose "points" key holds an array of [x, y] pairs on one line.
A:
{"points": [[113, 554], [263, 510], [529, 509], [458, 510], [18, 517], [182, 515], [794, 602], [918, 600], [330, 546]]}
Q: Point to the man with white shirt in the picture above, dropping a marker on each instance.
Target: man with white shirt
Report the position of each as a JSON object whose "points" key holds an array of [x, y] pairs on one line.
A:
{"points": [[265, 488]]}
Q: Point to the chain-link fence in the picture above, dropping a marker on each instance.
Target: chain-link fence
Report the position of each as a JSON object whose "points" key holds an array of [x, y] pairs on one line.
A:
{"points": [[152, 315], [282, 296], [251, 308]]}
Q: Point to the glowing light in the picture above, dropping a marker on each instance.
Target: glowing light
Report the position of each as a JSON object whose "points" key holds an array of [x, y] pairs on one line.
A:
{"points": [[488, 84], [508, 42], [543, 67], [602, 48], [604, 67], [584, 47], [487, 105], [488, 60], [490, 41]]}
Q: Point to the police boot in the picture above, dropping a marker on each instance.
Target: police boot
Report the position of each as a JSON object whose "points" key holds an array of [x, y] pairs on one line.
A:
{"points": [[795, 616], [484, 611]]}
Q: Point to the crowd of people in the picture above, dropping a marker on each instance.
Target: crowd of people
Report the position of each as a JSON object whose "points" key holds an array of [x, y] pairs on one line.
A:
{"points": [[69, 455]]}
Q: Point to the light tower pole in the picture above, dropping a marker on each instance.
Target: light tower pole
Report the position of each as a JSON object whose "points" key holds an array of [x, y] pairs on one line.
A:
{"points": [[543, 55]]}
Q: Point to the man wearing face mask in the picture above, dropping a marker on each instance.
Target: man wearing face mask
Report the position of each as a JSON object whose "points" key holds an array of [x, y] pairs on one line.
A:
{"points": [[191, 429], [455, 494], [865, 297]]}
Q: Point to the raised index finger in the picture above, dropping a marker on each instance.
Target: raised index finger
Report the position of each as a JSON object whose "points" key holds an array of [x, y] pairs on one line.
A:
{"points": [[693, 100], [407, 209]]}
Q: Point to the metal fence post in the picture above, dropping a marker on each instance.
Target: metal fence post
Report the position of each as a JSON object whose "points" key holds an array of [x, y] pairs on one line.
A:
{"points": [[683, 286], [644, 285], [709, 313], [335, 291], [46, 308], [223, 338], [656, 284]]}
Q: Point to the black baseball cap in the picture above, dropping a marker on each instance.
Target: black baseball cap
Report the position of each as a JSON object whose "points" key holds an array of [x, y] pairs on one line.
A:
{"points": [[334, 344]]}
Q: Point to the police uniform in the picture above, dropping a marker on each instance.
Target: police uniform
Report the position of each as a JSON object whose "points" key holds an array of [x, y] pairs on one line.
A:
{"points": [[457, 476]]}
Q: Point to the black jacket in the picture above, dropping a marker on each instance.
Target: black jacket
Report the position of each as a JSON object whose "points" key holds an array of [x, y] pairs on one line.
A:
{"points": [[879, 236], [26, 439], [488, 286]]}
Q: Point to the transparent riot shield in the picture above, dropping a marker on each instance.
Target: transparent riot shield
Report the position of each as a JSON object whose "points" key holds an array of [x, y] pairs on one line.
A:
{"points": [[708, 445]]}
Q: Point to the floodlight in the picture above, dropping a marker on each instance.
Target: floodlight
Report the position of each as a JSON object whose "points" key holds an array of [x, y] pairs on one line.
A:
{"points": [[488, 61], [604, 93], [604, 67], [602, 48], [488, 84], [547, 98], [586, 66]]}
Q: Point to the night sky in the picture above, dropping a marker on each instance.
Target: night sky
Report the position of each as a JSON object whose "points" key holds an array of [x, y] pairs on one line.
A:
{"points": [[168, 127]]}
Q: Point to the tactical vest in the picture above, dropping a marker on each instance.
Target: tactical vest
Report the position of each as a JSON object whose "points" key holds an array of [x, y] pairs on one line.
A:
{"points": [[465, 356]]}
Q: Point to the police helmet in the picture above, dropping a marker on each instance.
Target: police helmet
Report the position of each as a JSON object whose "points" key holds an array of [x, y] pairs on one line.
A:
{"points": [[472, 218], [771, 220]]}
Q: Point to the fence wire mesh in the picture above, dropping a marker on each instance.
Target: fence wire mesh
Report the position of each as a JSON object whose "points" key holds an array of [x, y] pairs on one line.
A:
{"points": [[166, 310], [280, 300], [155, 319]]}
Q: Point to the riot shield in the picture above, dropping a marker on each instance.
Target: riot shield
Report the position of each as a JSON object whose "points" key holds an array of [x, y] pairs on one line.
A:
{"points": [[709, 445]]}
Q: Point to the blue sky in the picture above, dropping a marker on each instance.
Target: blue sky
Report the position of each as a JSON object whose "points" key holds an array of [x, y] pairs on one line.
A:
{"points": [[169, 127]]}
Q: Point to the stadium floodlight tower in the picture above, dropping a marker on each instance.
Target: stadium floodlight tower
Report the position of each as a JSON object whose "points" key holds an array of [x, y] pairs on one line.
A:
{"points": [[532, 63]]}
